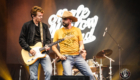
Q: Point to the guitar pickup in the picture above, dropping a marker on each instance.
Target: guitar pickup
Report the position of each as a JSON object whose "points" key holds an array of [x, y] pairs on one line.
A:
{"points": [[30, 55]]}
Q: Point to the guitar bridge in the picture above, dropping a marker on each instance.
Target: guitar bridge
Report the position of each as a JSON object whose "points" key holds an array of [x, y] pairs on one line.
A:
{"points": [[30, 59]]}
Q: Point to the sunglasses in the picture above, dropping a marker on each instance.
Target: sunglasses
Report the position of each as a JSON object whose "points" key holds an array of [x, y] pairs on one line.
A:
{"points": [[65, 18]]}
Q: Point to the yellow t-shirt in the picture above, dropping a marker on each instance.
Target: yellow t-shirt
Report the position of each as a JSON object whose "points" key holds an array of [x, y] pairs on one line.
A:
{"points": [[69, 46]]}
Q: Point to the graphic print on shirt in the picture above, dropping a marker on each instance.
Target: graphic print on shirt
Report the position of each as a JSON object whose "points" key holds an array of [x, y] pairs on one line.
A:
{"points": [[69, 42]]}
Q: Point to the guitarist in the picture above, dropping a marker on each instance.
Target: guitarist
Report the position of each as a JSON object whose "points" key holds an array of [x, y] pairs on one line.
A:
{"points": [[30, 35], [70, 49]]}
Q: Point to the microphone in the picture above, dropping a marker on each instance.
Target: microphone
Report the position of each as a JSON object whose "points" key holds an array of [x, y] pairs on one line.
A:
{"points": [[105, 31], [54, 59]]}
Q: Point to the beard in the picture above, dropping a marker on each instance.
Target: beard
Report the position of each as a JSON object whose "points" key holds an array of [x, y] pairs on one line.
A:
{"points": [[65, 24]]}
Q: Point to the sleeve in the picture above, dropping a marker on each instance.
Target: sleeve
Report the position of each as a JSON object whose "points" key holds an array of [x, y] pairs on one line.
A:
{"points": [[55, 36], [80, 35], [22, 39]]}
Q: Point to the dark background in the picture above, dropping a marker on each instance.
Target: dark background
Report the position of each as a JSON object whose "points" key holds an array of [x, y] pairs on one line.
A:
{"points": [[120, 16]]}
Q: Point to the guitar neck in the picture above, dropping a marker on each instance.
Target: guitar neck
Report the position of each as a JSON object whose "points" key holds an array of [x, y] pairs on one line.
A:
{"points": [[43, 48]]}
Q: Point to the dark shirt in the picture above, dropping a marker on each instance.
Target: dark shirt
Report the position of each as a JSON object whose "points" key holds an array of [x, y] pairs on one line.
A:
{"points": [[37, 37]]}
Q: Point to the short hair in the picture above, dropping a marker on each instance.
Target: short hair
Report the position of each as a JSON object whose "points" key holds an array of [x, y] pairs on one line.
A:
{"points": [[36, 9]]}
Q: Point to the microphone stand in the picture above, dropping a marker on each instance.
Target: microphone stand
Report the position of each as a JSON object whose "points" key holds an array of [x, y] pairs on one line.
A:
{"points": [[20, 72], [119, 48], [20, 69], [110, 68], [54, 67]]}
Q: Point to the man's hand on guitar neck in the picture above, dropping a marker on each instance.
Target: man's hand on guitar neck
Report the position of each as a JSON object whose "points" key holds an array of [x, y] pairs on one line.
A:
{"points": [[47, 48], [32, 52]]}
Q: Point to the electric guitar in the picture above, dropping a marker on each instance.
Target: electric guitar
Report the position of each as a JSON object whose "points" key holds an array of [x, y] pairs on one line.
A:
{"points": [[29, 59]]}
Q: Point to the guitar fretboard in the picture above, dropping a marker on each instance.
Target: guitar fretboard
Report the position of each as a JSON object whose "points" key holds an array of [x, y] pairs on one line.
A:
{"points": [[43, 48]]}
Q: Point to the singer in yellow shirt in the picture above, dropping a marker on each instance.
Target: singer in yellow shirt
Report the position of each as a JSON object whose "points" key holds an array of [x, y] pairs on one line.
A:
{"points": [[71, 49]]}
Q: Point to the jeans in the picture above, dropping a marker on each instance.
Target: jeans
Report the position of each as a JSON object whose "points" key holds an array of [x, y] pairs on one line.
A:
{"points": [[47, 67], [79, 63]]}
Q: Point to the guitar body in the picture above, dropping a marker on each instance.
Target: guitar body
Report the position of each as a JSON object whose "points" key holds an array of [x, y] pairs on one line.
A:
{"points": [[28, 58]]}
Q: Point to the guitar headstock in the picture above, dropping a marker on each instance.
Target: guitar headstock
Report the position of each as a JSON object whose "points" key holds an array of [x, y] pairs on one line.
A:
{"points": [[68, 37]]}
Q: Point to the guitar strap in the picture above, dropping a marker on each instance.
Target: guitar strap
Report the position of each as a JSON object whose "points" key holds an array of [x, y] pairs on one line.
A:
{"points": [[41, 32]]}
